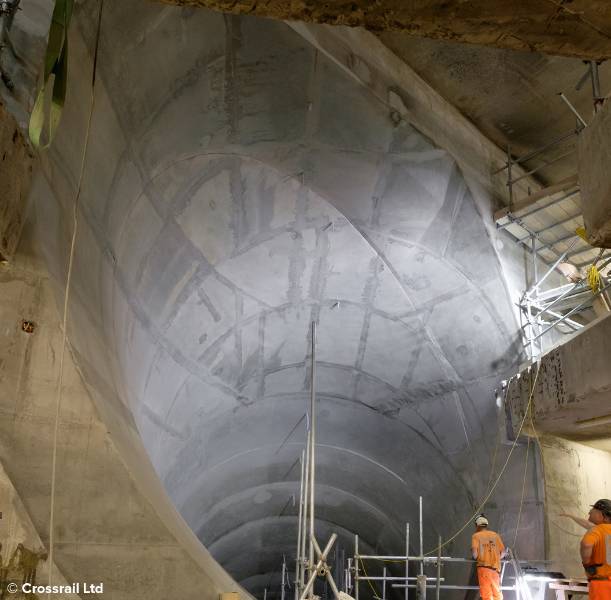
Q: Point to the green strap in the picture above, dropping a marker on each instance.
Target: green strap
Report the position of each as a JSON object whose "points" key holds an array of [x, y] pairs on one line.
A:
{"points": [[56, 64]]}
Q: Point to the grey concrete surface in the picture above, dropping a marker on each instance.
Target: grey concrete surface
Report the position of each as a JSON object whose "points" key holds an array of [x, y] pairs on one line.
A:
{"points": [[594, 153], [571, 396], [511, 96], [106, 529], [17, 528], [238, 185], [576, 476]]}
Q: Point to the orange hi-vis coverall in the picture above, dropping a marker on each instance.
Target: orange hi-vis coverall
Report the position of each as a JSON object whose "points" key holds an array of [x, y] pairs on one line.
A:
{"points": [[599, 567], [488, 546]]}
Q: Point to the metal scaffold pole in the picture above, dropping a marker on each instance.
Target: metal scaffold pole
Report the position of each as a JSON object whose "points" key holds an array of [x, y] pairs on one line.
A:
{"points": [[312, 449], [306, 507], [299, 561], [406, 558], [421, 536], [356, 567], [421, 582]]}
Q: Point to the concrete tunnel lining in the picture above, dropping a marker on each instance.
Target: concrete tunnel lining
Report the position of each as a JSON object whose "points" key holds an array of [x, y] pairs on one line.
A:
{"points": [[201, 333]]}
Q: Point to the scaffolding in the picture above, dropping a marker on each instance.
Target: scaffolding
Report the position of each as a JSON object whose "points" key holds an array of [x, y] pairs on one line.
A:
{"points": [[558, 308], [312, 561], [422, 582], [546, 223]]}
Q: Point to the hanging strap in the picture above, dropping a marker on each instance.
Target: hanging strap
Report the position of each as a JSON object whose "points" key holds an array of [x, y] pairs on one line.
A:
{"points": [[56, 64]]}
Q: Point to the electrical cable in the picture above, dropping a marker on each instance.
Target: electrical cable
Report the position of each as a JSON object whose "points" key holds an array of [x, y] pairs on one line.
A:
{"points": [[500, 475], [545, 486], [66, 301], [515, 536], [498, 438], [373, 590]]}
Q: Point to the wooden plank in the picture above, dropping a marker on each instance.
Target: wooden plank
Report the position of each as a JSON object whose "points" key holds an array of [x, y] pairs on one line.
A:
{"points": [[531, 200]]}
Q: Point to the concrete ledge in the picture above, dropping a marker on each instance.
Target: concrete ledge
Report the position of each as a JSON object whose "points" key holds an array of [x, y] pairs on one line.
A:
{"points": [[572, 395]]}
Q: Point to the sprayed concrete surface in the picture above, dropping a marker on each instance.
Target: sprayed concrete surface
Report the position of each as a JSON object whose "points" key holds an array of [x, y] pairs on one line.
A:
{"points": [[106, 527]]}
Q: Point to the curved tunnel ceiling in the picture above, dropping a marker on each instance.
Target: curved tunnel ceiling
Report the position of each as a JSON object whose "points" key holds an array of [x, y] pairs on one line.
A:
{"points": [[239, 186]]}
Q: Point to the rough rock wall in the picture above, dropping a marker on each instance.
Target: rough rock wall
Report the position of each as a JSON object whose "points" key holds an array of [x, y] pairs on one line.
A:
{"points": [[581, 29], [16, 166]]}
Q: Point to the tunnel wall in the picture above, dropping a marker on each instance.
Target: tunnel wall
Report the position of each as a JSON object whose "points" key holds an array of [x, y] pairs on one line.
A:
{"points": [[109, 526], [576, 476], [237, 186]]}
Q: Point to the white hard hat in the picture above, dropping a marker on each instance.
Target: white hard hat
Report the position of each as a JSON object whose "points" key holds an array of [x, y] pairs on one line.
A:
{"points": [[481, 521]]}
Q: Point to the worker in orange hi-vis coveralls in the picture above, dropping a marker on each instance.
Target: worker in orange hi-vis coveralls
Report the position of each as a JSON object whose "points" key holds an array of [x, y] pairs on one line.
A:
{"points": [[596, 551], [488, 549]]}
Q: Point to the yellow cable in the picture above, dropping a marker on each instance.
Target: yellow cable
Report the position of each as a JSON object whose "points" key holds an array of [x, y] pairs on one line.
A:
{"points": [[593, 278], [375, 593]]}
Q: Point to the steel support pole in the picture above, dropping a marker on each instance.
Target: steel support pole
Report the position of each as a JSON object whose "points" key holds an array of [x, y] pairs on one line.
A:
{"points": [[306, 507], [452, 587], [531, 329], [398, 578], [323, 557], [312, 444], [549, 271], [573, 311], [534, 253], [536, 290], [328, 575], [299, 561], [384, 583], [438, 582], [536, 151], [406, 557], [283, 578], [573, 109], [421, 537], [598, 99], [543, 166], [356, 567], [421, 587]]}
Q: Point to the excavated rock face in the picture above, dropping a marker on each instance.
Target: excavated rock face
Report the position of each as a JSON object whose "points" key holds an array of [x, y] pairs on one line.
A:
{"points": [[580, 28], [239, 186], [16, 165]]}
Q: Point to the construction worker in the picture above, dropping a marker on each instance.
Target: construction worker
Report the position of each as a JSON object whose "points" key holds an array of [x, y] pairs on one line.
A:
{"points": [[595, 549], [488, 549]]}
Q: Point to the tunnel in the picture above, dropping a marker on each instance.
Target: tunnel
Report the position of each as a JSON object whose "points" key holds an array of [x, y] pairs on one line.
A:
{"points": [[239, 186]]}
